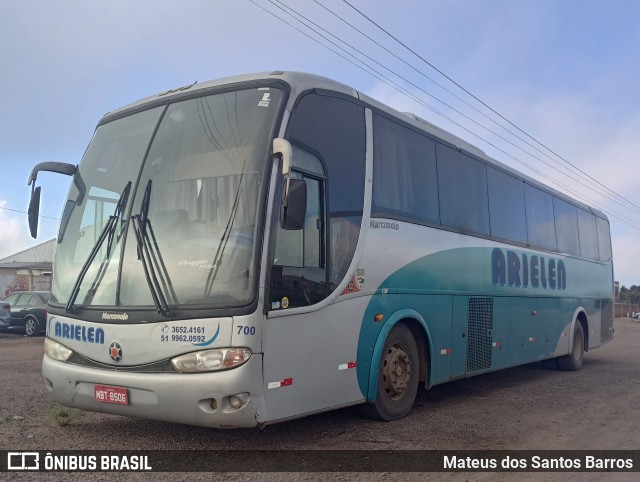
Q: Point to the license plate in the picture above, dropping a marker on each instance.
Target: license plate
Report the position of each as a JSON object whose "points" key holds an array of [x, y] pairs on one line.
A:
{"points": [[109, 394]]}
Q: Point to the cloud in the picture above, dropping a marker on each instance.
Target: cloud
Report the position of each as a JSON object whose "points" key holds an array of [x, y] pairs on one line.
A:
{"points": [[600, 142], [625, 252], [14, 235]]}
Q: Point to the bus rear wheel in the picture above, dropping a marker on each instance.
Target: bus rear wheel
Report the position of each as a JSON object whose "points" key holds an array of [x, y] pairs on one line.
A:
{"points": [[397, 377], [573, 361]]}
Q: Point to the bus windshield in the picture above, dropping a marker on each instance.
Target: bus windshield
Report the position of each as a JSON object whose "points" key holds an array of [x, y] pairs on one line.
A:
{"points": [[186, 180]]}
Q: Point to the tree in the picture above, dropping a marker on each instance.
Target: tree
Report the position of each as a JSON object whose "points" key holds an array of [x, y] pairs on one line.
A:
{"points": [[630, 295]]}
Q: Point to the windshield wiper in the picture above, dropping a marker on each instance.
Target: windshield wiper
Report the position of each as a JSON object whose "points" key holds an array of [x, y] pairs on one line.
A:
{"points": [[217, 260], [108, 232], [155, 270]]}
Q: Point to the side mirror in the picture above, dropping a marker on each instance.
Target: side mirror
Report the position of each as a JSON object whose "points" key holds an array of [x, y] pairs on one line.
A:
{"points": [[34, 211], [34, 204], [294, 207]]}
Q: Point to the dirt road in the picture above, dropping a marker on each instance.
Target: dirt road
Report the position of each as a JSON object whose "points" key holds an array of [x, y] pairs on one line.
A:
{"points": [[529, 407]]}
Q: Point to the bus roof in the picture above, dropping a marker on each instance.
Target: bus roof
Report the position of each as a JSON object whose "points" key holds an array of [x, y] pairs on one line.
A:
{"points": [[300, 82]]}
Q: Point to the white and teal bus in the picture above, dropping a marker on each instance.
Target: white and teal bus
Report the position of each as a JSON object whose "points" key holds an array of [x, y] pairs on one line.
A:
{"points": [[264, 247]]}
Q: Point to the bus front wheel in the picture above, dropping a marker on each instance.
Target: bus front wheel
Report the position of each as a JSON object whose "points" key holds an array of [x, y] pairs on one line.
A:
{"points": [[397, 377], [573, 361]]}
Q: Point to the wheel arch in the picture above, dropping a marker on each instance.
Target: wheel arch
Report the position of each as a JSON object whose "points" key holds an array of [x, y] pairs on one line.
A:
{"points": [[420, 331], [583, 320], [579, 316]]}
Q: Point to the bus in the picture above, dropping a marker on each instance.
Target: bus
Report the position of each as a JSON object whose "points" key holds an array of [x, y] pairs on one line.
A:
{"points": [[259, 248]]}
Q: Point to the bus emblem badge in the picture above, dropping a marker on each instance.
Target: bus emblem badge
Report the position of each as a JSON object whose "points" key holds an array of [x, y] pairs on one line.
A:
{"points": [[115, 351]]}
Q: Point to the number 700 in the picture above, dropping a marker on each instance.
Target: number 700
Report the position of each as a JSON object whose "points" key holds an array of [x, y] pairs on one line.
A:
{"points": [[246, 330]]}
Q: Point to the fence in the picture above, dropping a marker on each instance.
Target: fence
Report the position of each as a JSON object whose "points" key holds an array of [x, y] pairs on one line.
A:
{"points": [[626, 309]]}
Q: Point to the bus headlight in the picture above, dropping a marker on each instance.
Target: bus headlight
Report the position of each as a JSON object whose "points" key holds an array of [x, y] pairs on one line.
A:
{"points": [[56, 351], [211, 360]]}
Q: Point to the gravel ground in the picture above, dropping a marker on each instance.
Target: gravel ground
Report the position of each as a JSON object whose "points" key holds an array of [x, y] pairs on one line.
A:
{"points": [[526, 408]]}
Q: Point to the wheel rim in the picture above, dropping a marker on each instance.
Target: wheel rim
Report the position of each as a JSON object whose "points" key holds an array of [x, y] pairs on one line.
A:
{"points": [[396, 371], [30, 327]]}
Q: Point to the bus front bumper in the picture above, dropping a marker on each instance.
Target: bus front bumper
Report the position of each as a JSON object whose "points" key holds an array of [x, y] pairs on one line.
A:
{"points": [[226, 399]]}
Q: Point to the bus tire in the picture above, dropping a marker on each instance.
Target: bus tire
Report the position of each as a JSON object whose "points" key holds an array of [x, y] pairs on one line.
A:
{"points": [[398, 375], [573, 361]]}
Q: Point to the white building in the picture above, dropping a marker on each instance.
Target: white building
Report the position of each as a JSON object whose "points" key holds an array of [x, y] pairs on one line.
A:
{"points": [[27, 270]]}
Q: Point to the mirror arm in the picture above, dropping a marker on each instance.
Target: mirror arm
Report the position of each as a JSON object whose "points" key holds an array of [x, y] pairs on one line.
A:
{"points": [[60, 168], [282, 147]]}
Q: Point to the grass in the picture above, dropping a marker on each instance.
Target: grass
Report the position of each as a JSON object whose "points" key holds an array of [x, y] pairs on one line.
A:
{"points": [[64, 415]]}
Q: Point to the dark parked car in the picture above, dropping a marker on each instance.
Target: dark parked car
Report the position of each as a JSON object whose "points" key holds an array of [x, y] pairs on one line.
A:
{"points": [[27, 309], [5, 315]]}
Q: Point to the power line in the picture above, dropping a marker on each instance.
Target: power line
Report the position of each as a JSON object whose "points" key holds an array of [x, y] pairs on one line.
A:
{"points": [[372, 71], [24, 212], [308, 21], [602, 189], [486, 105]]}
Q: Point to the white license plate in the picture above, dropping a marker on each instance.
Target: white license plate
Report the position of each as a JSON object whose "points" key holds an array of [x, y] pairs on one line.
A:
{"points": [[109, 394]]}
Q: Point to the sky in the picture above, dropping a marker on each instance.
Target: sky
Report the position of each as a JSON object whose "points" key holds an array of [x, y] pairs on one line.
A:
{"points": [[564, 72]]}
